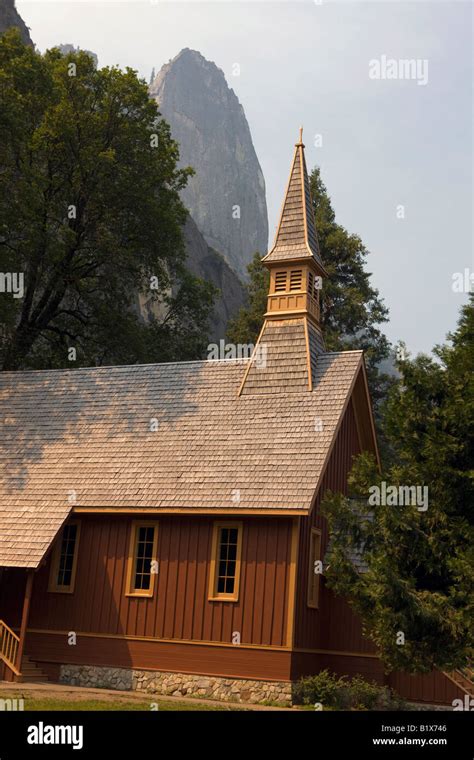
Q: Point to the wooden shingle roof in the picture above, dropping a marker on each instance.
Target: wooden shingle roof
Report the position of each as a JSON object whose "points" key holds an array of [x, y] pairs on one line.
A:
{"points": [[165, 436], [296, 236], [286, 359]]}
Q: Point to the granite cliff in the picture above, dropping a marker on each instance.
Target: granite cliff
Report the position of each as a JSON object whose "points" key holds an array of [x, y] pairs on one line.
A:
{"points": [[9, 17], [203, 261], [226, 197], [209, 265]]}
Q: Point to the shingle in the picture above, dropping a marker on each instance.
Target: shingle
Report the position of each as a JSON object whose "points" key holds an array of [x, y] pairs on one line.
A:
{"points": [[296, 236], [87, 438]]}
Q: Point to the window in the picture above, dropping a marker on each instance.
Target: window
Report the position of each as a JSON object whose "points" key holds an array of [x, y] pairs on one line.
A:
{"points": [[280, 282], [225, 561], [314, 568], [296, 278], [143, 548], [64, 560]]}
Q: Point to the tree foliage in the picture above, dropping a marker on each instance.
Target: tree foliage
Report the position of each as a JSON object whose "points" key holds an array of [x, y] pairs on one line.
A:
{"points": [[245, 327], [351, 309], [90, 215], [420, 561]]}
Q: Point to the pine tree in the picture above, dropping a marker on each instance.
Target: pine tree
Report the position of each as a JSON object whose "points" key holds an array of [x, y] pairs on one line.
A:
{"points": [[416, 598]]}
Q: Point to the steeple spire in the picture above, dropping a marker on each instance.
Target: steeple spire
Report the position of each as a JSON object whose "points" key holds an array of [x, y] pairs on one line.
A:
{"points": [[291, 339], [296, 236], [296, 268]]}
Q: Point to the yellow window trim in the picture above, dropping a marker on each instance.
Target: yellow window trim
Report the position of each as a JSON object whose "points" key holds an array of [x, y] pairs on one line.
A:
{"points": [[53, 586], [131, 561], [314, 556], [213, 595]]}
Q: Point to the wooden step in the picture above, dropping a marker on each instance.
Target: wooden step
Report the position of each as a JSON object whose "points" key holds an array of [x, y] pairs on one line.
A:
{"points": [[30, 671], [460, 679]]}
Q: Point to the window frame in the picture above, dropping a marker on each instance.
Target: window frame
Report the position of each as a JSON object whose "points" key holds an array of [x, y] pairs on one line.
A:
{"points": [[53, 586], [214, 595], [132, 558], [313, 590]]}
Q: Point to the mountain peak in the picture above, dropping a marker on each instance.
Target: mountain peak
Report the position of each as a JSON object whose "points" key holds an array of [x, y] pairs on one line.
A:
{"points": [[189, 52], [226, 197]]}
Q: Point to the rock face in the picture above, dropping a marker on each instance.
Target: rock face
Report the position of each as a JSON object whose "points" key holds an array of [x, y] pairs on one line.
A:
{"points": [[210, 265], [226, 197], [68, 48], [204, 262], [9, 17]]}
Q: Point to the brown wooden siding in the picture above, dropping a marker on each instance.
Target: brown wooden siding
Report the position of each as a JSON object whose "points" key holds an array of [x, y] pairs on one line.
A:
{"points": [[434, 688], [341, 627], [307, 663], [179, 608], [333, 625], [226, 661]]}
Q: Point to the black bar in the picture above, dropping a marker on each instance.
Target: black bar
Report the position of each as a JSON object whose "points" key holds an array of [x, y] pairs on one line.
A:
{"points": [[446, 734]]}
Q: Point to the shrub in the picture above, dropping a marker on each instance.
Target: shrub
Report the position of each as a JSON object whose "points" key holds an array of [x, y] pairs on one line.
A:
{"points": [[366, 695], [323, 687], [342, 693]]}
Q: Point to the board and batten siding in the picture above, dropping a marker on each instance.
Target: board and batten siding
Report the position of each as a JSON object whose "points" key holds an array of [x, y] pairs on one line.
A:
{"points": [[180, 608], [333, 626]]}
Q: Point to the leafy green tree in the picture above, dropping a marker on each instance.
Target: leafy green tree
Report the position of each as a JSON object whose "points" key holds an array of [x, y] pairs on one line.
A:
{"points": [[90, 215], [416, 598], [246, 326], [351, 309]]}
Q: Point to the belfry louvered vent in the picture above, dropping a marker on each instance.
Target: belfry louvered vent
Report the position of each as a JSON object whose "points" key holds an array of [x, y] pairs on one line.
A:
{"points": [[280, 281], [296, 277]]}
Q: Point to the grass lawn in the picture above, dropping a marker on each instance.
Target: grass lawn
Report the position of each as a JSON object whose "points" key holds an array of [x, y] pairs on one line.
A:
{"points": [[40, 703]]}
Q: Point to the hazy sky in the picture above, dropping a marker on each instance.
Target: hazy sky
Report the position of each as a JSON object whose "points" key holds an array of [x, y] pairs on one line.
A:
{"points": [[386, 143]]}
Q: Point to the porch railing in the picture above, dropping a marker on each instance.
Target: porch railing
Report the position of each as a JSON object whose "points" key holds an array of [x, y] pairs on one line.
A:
{"points": [[464, 678], [9, 643]]}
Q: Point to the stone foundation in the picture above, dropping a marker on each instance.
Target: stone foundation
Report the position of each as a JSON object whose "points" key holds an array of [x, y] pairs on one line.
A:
{"points": [[177, 684]]}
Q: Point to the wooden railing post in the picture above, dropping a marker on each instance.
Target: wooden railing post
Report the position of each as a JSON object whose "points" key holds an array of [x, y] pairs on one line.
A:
{"points": [[9, 642], [24, 617]]}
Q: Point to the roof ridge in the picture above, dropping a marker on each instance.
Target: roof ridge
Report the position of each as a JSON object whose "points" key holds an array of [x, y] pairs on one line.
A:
{"points": [[125, 366], [349, 351], [241, 360]]}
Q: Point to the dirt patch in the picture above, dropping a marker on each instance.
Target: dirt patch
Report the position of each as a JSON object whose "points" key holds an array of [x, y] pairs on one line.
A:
{"points": [[46, 691]]}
